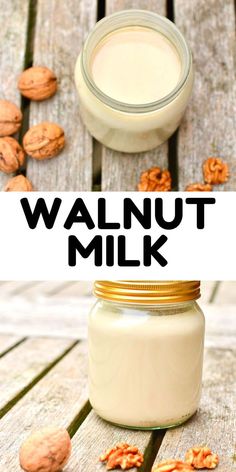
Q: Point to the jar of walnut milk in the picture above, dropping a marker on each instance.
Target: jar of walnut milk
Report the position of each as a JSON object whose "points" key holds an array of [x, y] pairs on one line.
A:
{"points": [[134, 78], [146, 352]]}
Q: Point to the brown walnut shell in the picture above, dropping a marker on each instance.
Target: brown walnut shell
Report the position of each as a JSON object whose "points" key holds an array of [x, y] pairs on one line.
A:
{"points": [[18, 184], [12, 155], [37, 83], [47, 450], [10, 118], [44, 141]]}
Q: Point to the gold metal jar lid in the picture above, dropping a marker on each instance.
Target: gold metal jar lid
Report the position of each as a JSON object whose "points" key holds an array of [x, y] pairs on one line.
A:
{"points": [[147, 292]]}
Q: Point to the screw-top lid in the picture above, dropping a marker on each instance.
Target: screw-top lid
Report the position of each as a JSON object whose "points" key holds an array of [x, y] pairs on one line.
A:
{"points": [[147, 292]]}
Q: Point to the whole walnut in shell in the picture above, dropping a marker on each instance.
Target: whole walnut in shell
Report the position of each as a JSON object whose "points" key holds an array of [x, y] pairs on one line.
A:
{"points": [[10, 118], [46, 450], [44, 141], [37, 83], [12, 155], [18, 184]]}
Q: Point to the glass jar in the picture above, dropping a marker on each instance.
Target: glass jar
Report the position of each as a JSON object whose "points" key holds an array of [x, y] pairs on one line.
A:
{"points": [[146, 352], [141, 126]]}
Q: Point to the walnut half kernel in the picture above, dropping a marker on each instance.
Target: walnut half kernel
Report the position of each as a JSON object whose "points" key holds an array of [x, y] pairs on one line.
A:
{"points": [[201, 458], [172, 465], [44, 141], [122, 455], [215, 171], [155, 180]]}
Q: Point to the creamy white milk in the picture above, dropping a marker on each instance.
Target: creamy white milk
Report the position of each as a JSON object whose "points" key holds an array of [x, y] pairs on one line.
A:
{"points": [[134, 82], [135, 65], [145, 364]]}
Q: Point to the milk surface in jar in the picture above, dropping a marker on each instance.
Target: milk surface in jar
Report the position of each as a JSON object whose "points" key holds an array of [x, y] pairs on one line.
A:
{"points": [[146, 352], [134, 78]]}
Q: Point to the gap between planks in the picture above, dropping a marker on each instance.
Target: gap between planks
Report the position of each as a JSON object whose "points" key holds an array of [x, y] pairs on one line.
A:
{"points": [[21, 370]]}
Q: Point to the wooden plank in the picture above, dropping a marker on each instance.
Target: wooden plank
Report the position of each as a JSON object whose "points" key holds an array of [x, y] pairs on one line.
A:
{"points": [[226, 293], [220, 325], [20, 367], [214, 423], [8, 342], [35, 290], [12, 289], [56, 399], [121, 171], [13, 30], [94, 437], [207, 289], [61, 28], [50, 317], [210, 122]]}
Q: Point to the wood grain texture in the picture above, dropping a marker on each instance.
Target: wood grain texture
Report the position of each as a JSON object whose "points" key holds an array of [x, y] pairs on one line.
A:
{"points": [[46, 316], [61, 29], [121, 171], [214, 422], [209, 125], [55, 400], [13, 29], [226, 293], [207, 289], [7, 342], [94, 437], [20, 367], [220, 325]]}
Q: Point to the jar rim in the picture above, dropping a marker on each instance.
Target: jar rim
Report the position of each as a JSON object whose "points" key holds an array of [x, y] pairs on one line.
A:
{"points": [[147, 292], [136, 17]]}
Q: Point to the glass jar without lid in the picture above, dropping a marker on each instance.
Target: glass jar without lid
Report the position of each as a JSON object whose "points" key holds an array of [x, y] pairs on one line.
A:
{"points": [[134, 78], [146, 352]]}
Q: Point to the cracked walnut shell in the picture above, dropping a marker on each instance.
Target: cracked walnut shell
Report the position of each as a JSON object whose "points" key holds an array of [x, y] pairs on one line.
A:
{"points": [[155, 180], [122, 455], [44, 141], [12, 155], [172, 465], [10, 118], [198, 188], [215, 171], [201, 458], [18, 184], [37, 83], [46, 450]]}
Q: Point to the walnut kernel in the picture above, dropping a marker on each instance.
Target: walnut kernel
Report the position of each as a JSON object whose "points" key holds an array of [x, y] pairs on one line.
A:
{"points": [[12, 155], [10, 118], [215, 171], [155, 180], [44, 141], [198, 187], [37, 83], [18, 184], [201, 458], [122, 455], [172, 465], [46, 450]]}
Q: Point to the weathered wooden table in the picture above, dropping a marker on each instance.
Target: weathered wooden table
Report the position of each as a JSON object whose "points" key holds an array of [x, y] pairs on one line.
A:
{"points": [[43, 378], [52, 32]]}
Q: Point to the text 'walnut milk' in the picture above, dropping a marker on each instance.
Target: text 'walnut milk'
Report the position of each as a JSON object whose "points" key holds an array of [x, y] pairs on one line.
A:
{"points": [[134, 78]]}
